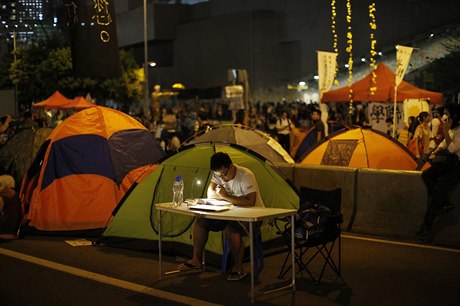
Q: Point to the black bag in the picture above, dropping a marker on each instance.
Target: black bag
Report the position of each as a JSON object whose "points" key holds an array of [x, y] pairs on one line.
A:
{"points": [[444, 157], [311, 220]]}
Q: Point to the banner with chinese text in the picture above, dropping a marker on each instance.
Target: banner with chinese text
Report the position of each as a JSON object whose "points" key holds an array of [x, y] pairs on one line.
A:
{"points": [[327, 61], [93, 38], [403, 55]]}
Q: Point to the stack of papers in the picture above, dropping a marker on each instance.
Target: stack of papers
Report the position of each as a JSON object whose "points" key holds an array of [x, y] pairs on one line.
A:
{"points": [[207, 207], [216, 202]]}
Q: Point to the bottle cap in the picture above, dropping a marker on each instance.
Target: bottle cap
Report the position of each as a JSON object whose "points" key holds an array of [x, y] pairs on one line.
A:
{"points": [[178, 178]]}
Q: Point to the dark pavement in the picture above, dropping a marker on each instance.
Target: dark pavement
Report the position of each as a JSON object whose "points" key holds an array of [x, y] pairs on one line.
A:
{"points": [[40, 270]]}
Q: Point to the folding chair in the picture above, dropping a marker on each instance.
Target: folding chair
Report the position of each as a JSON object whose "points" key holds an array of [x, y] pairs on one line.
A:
{"points": [[320, 246]]}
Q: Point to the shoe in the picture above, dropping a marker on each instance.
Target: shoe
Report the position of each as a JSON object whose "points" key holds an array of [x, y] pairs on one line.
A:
{"points": [[236, 276], [447, 208], [187, 266], [423, 230]]}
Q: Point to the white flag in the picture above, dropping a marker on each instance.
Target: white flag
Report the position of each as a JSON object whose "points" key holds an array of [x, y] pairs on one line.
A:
{"points": [[402, 61], [327, 62]]}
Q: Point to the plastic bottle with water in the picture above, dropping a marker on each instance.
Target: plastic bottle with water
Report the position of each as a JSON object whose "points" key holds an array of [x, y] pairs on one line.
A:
{"points": [[178, 191]]}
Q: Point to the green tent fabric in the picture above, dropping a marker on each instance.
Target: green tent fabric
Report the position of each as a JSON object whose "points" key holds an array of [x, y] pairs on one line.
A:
{"points": [[19, 152], [134, 223]]}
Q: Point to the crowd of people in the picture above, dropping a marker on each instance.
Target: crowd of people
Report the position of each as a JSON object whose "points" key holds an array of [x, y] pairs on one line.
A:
{"points": [[180, 121]]}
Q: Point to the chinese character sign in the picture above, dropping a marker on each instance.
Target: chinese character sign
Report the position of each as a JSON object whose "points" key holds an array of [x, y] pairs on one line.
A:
{"points": [[379, 112], [94, 38]]}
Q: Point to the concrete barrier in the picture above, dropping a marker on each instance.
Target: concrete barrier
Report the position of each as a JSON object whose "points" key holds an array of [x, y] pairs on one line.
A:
{"points": [[384, 203], [389, 203]]}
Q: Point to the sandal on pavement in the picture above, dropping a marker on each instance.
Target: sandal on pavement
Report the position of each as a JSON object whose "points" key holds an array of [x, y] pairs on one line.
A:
{"points": [[187, 266], [236, 276]]}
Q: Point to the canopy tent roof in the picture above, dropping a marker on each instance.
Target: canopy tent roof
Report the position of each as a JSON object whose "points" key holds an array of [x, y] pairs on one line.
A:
{"points": [[385, 82], [79, 103], [56, 100]]}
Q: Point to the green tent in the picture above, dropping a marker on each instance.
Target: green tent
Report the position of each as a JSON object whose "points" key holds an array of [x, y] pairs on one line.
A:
{"points": [[17, 154], [134, 222]]}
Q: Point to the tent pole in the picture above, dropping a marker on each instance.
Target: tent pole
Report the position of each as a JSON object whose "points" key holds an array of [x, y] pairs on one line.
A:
{"points": [[394, 113]]}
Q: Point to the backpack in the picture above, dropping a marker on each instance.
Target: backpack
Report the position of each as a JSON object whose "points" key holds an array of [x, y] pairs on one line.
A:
{"points": [[310, 220]]}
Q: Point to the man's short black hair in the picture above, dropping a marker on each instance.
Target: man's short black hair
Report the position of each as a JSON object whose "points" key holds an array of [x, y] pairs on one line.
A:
{"points": [[316, 111], [219, 160]]}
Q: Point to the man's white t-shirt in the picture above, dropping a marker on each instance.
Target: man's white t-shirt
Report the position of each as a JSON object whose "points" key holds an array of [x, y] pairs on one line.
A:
{"points": [[454, 146], [242, 184]]}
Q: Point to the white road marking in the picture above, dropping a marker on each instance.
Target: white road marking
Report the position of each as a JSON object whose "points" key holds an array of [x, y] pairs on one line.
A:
{"points": [[107, 280], [422, 246]]}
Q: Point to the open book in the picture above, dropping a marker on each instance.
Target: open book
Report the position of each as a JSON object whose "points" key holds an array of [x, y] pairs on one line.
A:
{"points": [[216, 202]]}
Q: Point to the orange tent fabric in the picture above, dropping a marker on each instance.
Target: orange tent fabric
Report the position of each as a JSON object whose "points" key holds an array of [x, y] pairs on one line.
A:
{"points": [[362, 148], [56, 100], [84, 168], [79, 103], [385, 90]]}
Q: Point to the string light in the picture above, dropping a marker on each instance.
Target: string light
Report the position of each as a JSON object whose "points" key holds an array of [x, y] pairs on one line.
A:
{"points": [[373, 53], [349, 50], [334, 37]]}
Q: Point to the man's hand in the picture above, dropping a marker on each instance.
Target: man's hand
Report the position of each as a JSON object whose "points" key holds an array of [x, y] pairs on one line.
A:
{"points": [[221, 191], [447, 126]]}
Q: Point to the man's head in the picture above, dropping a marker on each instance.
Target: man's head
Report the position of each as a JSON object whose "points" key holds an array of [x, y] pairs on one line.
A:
{"points": [[221, 164], [453, 112], [316, 115], [438, 112]]}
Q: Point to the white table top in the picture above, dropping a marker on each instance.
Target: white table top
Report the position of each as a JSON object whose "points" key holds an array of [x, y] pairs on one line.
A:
{"points": [[235, 213]]}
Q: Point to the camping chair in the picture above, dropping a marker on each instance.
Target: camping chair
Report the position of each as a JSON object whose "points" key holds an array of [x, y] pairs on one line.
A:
{"points": [[316, 246]]}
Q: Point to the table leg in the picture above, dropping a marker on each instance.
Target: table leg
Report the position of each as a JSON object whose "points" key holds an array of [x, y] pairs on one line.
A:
{"points": [[292, 253], [159, 245], [251, 249]]}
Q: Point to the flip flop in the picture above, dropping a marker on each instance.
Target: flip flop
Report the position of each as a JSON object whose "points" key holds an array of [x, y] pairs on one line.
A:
{"points": [[186, 266], [236, 276]]}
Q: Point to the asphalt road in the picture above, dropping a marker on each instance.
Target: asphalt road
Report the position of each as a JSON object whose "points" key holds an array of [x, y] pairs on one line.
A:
{"points": [[40, 270]]}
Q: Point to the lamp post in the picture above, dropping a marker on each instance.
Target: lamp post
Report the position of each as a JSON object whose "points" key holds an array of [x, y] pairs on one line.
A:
{"points": [[146, 76]]}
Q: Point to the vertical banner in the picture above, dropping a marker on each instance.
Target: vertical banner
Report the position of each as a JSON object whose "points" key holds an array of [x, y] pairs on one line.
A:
{"points": [[93, 38], [403, 55], [327, 62]]}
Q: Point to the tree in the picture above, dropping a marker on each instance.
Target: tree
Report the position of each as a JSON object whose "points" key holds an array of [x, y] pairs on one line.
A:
{"points": [[39, 71]]}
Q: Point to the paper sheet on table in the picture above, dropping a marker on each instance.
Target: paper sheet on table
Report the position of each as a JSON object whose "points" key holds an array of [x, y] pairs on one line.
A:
{"points": [[207, 207], [216, 202]]}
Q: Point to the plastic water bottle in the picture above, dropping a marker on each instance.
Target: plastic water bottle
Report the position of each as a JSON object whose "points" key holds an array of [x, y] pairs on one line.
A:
{"points": [[178, 191]]}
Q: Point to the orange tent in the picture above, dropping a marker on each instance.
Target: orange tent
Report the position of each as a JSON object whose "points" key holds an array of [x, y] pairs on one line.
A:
{"points": [[79, 103], [84, 168], [362, 148], [385, 90], [56, 100]]}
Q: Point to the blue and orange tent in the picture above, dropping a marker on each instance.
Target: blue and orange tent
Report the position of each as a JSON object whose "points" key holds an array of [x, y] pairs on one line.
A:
{"points": [[84, 168]]}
